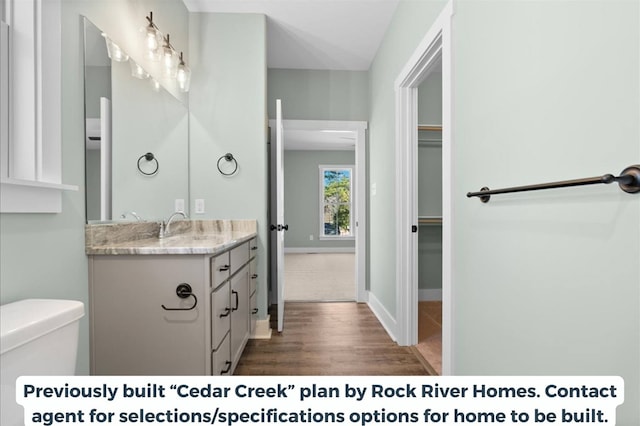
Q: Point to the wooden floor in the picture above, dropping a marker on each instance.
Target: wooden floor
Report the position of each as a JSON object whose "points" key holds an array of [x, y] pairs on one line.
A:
{"points": [[430, 335], [341, 339]]}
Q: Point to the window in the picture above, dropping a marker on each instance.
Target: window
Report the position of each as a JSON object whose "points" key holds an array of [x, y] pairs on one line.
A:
{"points": [[336, 202], [30, 81]]}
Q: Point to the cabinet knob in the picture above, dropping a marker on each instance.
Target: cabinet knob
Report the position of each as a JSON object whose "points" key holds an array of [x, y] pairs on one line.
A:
{"points": [[224, 268], [255, 311], [254, 276], [226, 313], [254, 248]]}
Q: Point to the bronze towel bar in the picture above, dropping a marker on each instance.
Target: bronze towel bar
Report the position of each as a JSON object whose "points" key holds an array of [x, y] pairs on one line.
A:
{"points": [[629, 181]]}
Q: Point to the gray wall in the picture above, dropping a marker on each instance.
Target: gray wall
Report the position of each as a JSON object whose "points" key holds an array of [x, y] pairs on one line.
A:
{"points": [[408, 27], [228, 114], [144, 120], [319, 94], [302, 198], [55, 242], [559, 290]]}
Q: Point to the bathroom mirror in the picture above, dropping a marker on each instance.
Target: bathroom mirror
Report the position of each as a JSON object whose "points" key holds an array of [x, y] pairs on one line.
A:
{"points": [[127, 117]]}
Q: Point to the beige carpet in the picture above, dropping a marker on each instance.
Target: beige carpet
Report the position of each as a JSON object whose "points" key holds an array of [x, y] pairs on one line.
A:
{"points": [[319, 276]]}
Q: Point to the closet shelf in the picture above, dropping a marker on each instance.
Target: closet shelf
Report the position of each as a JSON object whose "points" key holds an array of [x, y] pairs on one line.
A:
{"points": [[434, 140], [430, 220], [430, 127]]}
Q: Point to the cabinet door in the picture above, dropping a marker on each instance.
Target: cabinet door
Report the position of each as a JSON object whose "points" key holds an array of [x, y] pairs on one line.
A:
{"points": [[240, 313], [253, 276], [220, 314], [221, 358], [131, 333], [253, 306]]}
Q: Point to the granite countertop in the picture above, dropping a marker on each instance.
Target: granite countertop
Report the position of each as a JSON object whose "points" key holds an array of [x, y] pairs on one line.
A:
{"points": [[187, 237]]}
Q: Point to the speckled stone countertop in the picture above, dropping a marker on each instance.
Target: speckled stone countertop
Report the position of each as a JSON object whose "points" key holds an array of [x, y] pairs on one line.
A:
{"points": [[187, 237]]}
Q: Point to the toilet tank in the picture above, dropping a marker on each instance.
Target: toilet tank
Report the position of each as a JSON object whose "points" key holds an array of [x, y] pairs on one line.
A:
{"points": [[38, 337]]}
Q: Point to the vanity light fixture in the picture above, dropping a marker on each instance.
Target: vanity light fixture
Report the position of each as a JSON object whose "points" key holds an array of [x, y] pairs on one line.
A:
{"points": [[183, 75], [159, 47], [153, 39]]}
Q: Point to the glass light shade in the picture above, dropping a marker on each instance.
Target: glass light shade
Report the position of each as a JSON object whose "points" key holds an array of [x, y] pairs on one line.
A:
{"points": [[183, 77], [169, 62], [153, 42], [137, 71], [114, 51]]}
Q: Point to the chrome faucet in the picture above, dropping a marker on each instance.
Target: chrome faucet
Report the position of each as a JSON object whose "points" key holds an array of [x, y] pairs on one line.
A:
{"points": [[164, 226], [134, 214]]}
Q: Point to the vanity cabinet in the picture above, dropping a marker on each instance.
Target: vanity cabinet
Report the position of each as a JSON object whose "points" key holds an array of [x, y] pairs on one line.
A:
{"points": [[239, 314], [140, 324], [253, 285]]}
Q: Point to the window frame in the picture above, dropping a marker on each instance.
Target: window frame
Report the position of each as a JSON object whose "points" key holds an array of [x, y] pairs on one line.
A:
{"points": [[321, 171], [31, 165]]}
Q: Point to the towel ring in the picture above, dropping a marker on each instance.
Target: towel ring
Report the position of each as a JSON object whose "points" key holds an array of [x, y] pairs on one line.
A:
{"points": [[149, 157], [228, 157]]}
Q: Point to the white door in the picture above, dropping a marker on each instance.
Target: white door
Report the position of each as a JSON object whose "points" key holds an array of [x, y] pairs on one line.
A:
{"points": [[280, 226]]}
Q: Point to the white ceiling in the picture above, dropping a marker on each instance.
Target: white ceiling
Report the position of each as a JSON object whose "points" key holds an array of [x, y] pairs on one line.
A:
{"points": [[315, 34]]}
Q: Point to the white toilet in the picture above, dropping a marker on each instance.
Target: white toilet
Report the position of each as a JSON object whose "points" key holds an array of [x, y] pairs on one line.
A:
{"points": [[38, 337]]}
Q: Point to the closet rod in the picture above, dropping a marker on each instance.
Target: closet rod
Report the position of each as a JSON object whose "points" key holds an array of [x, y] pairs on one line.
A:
{"points": [[629, 181], [430, 127]]}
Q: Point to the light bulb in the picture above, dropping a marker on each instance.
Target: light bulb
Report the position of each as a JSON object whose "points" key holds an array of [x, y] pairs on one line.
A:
{"points": [[183, 76], [169, 58], [152, 38]]}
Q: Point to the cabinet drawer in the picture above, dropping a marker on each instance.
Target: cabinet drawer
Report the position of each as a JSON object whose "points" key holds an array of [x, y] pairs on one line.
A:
{"points": [[220, 268], [221, 358], [253, 276], [220, 314], [239, 256], [253, 305], [253, 247]]}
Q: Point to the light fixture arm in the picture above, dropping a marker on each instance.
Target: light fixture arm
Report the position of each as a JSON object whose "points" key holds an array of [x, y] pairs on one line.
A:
{"points": [[150, 19]]}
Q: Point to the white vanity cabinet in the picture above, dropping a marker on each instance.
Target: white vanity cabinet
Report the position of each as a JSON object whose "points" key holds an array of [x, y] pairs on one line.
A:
{"points": [[140, 325]]}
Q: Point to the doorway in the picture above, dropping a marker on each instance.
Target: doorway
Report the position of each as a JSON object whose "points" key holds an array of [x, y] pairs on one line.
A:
{"points": [[354, 130], [434, 49]]}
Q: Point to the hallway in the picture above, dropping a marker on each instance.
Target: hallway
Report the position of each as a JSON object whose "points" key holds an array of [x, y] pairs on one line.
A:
{"points": [[341, 339]]}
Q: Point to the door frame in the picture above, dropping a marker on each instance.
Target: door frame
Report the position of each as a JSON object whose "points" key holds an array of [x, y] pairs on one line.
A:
{"points": [[359, 128], [435, 46]]}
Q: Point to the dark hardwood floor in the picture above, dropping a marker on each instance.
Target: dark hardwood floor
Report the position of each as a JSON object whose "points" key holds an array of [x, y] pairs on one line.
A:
{"points": [[341, 339]]}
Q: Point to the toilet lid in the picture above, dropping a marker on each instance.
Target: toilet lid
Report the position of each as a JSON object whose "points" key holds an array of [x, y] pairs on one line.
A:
{"points": [[26, 320]]}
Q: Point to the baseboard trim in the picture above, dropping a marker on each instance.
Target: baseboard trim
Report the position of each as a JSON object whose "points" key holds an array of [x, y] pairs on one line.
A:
{"points": [[385, 318], [263, 329], [319, 250], [429, 294]]}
